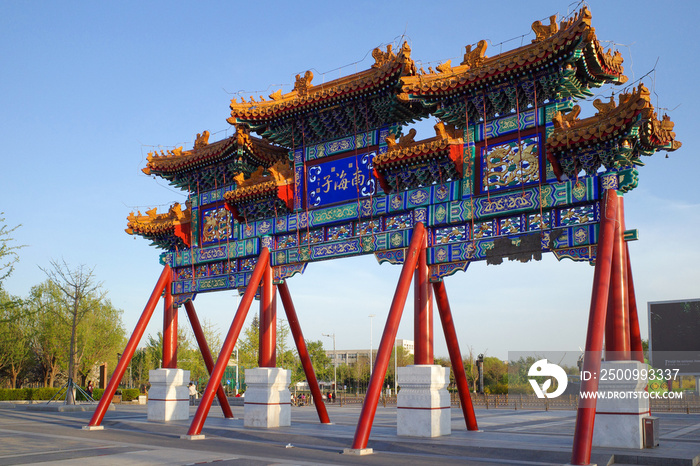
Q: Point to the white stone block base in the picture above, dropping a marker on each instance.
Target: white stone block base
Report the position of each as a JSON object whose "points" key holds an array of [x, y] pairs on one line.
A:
{"points": [[423, 403], [358, 451], [619, 416], [267, 398], [168, 398]]}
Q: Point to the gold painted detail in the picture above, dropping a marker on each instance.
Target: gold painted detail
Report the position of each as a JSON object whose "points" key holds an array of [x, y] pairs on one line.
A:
{"points": [[508, 203], [543, 31], [155, 223], [217, 225], [474, 58], [337, 213], [304, 93], [611, 120], [280, 173], [579, 190], [407, 148], [508, 164], [202, 140], [302, 85], [566, 120], [382, 58], [574, 33], [604, 107]]}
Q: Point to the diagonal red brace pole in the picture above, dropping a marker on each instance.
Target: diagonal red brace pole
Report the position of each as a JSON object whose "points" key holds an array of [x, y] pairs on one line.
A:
{"points": [[163, 282], [369, 407], [206, 355], [448, 327], [295, 327], [585, 417], [635, 333], [229, 343]]}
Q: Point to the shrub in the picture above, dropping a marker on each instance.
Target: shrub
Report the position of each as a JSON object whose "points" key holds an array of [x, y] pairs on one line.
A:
{"points": [[36, 394]]}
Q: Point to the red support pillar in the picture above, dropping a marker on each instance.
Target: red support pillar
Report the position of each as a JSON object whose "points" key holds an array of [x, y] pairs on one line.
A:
{"points": [[128, 353], [448, 327], [298, 337], [423, 310], [169, 330], [267, 353], [229, 343], [617, 331], [206, 356], [585, 417], [369, 407]]}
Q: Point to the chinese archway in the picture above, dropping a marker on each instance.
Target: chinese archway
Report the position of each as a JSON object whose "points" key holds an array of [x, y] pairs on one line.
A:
{"points": [[328, 170]]}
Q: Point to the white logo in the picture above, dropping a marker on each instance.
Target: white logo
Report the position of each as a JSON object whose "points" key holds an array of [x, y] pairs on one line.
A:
{"points": [[544, 369]]}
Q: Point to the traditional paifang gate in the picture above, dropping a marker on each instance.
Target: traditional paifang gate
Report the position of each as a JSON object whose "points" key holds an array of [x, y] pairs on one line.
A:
{"points": [[510, 173]]}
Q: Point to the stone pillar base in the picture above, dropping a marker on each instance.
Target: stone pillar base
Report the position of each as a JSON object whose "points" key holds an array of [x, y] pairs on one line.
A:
{"points": [[267, 398], [423, 403], [619, 416], [168, 398]]}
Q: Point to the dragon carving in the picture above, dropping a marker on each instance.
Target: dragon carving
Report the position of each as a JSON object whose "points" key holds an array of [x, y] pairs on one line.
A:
{"points": [[474, 58]]}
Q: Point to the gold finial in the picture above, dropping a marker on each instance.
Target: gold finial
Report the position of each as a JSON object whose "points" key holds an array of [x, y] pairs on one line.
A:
{"points": [[474, 58], [542, 31]]}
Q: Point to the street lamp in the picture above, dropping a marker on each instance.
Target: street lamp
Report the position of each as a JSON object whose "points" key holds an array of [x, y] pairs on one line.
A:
{"points": [[237, 369], [370, 344], [335, 365], [395, 366]]}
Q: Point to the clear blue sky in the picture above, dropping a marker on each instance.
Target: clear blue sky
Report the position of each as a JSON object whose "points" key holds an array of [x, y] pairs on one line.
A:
{"points": [[89, 88]]}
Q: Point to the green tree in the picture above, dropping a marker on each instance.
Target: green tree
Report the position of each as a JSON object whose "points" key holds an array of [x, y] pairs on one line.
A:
{"points": [[192, 359], [8, 251], [15, 339], [154, 348], [249, 344], [81, 294], [139, 368], [360, 373], [50, 334], [495, 375], [99, 337], [319, 360], [286, 356]]}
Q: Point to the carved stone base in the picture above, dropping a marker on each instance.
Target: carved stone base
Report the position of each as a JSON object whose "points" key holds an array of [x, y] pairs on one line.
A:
{"points": [[267, 399], [423, 404], [168, 398], [619, 416]]}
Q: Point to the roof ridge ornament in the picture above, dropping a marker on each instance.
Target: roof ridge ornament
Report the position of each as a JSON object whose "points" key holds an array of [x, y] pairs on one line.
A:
{"points": [[404, 141], [562, 120], [202, 140], [475, 58], [605, 107], [445, 67], [543, 32], [382, 58], [302, 85]]}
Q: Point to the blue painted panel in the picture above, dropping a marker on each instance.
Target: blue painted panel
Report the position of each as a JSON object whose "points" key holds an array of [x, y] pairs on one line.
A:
{"points": [[341, 180]]}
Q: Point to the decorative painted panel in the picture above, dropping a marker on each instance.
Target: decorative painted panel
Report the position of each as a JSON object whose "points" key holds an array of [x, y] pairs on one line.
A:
{"points": [[510, 163], [216, 225], [341, 180], [338, 146]]}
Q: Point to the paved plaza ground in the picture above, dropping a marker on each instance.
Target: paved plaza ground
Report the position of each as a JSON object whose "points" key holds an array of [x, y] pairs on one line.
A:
{"points": [[508, 437]]}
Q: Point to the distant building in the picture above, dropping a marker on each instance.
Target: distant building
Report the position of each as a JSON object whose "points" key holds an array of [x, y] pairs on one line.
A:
{"points": [[407, 346], [350, 357]]}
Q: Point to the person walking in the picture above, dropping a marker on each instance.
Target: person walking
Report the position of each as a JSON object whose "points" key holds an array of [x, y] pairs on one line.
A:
{"points": [[193, 393]]}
